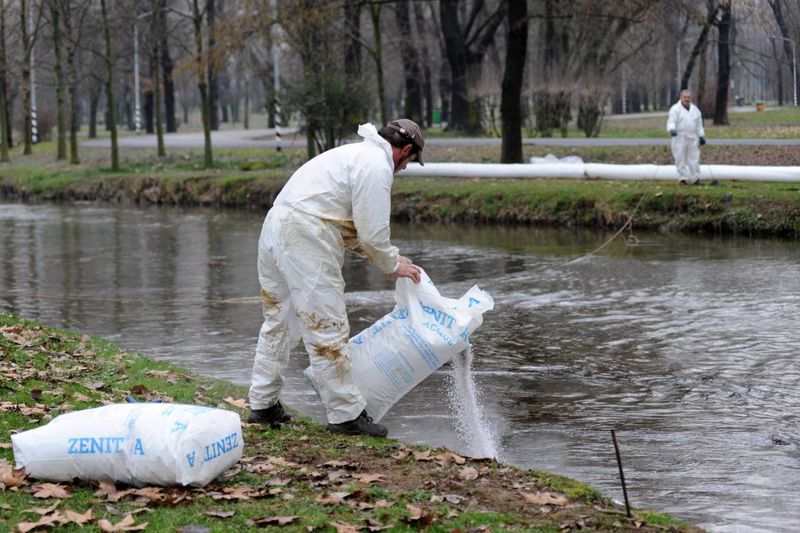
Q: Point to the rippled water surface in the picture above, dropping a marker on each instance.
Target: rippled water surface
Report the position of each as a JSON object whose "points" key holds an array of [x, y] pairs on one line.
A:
{"points": [[687, 346]]}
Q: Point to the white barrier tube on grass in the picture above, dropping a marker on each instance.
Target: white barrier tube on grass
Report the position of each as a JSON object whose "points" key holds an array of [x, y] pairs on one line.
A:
{"points": [[599, 171]]}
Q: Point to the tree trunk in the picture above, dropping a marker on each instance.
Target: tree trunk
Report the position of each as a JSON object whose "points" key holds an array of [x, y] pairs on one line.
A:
{"points": [[511, 106], [456, 51], [148, 112], [427, 75], [94, 101], [166, 70], [465, 49], [411, 69], [155, 28], [247, 102], [723, 64], [777, 10], [698, 46], [200, 73], [211, 67], [72, 82], [375, 13], [3, 100], [26, 76], [61, 138], [778, 73], [352, 45], [110, 104]]}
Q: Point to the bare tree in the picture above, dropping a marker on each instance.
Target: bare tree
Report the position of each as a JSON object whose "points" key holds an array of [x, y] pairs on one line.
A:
{"points": [[3, 100], [197, 15], [73, 16], [108, 57], [211, 67], [167, 67], [723, 63], [510, 106], [155, 52], [466, 46], [713, 8], [28, 35], [411, 70], [61, 137]]}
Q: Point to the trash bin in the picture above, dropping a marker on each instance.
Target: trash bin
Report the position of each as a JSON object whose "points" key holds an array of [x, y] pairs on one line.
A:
{"points": [[437, 115], [760, 106]]}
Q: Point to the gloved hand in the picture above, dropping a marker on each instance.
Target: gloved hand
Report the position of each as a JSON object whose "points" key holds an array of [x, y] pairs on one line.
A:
{"points": [[702, 141], [674, 133]]}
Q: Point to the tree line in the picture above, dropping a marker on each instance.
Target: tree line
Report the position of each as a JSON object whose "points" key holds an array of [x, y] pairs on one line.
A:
{"points": [[499, 67]]}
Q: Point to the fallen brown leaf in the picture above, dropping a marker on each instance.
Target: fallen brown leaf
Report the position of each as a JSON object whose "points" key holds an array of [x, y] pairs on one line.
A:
{"points": [[36, 394], [240, 403], [340, 464], [42, 510], [45, 521], [334, 498], [544, 498], [344, 528], [50, 490], [423, 456], [11, 477], [279, 520], [77, 518], [126, 524], [374, 525], [368, 478], [216, 513], [106, 488], [468, 473]]}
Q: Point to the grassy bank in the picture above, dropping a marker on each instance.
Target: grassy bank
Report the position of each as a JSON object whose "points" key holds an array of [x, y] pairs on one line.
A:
{"points": [[252, 178], [299, 478]]}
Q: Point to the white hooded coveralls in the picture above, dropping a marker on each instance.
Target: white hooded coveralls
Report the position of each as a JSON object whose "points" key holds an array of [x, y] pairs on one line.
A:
{"points": [[686, 145], [339, 199]]}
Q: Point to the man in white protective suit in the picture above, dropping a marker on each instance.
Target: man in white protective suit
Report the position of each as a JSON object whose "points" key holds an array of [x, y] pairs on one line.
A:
{"points": [[685, 124], [338, 200]]}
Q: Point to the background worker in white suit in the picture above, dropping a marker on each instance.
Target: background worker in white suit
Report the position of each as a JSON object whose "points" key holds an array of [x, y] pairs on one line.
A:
{"points": [[685, 124]]}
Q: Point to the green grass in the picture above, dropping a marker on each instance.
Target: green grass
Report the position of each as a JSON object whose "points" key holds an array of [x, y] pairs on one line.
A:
{"points": [[57, 371]]}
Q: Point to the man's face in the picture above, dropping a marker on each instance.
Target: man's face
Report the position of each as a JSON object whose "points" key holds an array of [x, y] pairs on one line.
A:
{"points": [[686, 99], [402, 157]]}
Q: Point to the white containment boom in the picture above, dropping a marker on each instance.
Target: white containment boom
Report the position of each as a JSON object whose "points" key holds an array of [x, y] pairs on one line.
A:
{"points": [[599, 171]]}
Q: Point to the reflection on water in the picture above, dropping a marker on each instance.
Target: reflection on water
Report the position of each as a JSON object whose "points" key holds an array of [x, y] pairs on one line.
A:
{"points": [[687, 346]]}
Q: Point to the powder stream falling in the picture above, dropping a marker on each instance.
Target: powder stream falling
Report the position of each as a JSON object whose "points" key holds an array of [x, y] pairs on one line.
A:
{"points": [[471, 424]]}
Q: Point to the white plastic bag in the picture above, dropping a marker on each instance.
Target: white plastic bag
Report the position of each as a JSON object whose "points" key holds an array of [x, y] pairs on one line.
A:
{"points": [[137, 443], [424, 331]]}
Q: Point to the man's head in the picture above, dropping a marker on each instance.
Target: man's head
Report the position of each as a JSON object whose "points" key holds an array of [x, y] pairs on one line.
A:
{"points": [[407, 142], [686, 98]]}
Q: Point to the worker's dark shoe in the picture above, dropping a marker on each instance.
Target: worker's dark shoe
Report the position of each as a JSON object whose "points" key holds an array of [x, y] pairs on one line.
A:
{"points": [[683, 182], [714, 182], [274, 416], [363, 425]]}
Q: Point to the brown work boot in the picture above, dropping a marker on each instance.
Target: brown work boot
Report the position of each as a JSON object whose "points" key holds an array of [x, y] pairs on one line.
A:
{"points": [[363, 425], [274, 416]]}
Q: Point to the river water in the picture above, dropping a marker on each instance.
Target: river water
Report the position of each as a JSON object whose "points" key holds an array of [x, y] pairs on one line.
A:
{"points": [[687, 346]]}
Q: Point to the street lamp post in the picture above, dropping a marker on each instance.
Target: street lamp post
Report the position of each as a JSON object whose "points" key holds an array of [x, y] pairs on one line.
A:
{"points": [[794, 65]]}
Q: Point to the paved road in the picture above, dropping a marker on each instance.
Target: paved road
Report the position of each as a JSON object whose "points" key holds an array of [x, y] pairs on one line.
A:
{"points": [[264, 138]]}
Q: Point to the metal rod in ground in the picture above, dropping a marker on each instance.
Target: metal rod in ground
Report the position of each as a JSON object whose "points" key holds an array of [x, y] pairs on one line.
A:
{"points": [[621, 475]]}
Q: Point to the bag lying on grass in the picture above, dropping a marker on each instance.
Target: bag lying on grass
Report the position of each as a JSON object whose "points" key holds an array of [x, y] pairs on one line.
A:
{"points": [[137, 443], [424, 331]]}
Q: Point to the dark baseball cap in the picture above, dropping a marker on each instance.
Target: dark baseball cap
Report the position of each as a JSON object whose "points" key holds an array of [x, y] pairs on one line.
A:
{"points": [[411, 131]]}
